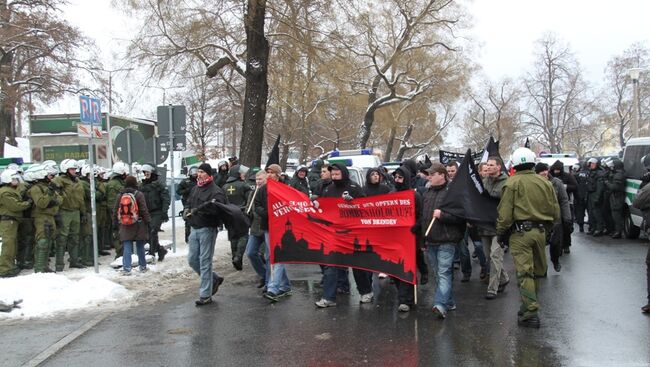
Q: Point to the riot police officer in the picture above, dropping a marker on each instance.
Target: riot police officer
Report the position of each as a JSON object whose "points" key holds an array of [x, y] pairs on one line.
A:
{"points": [[70, 211], [595, 198], [11, 209], [525, 225], [47, 198], [616, 187], [580, 199], [25, 253]]}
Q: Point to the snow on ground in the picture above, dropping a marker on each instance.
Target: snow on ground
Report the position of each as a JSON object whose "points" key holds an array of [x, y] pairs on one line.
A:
{"points": [[74, 290]]}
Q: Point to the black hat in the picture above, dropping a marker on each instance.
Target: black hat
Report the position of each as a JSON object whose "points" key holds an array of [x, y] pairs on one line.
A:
{"points": [[207, 168]]}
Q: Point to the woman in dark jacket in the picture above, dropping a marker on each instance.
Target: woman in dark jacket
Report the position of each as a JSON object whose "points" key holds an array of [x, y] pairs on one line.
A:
{"points": [[138, 231]]}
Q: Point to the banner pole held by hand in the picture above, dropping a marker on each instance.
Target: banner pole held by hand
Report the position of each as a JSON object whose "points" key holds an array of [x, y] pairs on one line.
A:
{"points": [[415, 291], [429, 227]]}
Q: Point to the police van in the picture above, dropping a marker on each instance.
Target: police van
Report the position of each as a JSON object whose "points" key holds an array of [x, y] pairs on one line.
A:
{"points": [[568, 159], [635, 149]]}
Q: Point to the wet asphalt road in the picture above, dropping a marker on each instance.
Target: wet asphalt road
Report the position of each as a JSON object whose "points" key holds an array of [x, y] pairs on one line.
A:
{"points": [[590, 317]]}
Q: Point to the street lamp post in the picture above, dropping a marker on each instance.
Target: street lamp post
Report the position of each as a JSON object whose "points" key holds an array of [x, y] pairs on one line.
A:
{"points": [[634, 75]]}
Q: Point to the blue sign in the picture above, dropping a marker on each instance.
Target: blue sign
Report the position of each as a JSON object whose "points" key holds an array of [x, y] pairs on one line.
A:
{"points": [[90, 111]]}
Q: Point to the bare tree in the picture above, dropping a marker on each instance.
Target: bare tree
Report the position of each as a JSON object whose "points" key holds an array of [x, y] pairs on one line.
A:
{"points": [[494, 111], [618, 91], [555, 92], [39, 57]]}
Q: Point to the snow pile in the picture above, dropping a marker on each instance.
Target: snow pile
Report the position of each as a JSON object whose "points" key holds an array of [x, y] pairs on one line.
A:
{"points": [[21, 151], [46, 294]]}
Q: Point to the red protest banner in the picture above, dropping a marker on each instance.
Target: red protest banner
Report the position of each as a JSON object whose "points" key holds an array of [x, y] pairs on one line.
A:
{"points": [[366, 233]]}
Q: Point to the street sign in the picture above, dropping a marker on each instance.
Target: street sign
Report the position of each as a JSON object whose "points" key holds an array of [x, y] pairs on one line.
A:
{"points": [[133, 152], [90, 111], [85, 130], [155, 150], [178, 117]]}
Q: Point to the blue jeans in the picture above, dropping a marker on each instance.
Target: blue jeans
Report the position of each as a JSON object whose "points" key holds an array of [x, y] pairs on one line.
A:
{"points": [[255, 256], [333, 278], [278, 281], [478, 248], [128, 250], [441, 260], [201, 249]]}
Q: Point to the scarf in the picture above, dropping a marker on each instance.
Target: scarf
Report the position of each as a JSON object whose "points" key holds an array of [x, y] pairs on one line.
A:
{"points": [[202, 183]]}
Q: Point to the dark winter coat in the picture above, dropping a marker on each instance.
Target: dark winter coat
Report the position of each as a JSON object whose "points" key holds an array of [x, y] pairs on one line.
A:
{"points": [[300, 184], [140, 230], [418, 200], [379, 188], [203, 214], [262, 207], [184, 188], [562, 199], [155, 194], [337, 188], [446, 229], [322, 184], [567, 179], [493, 187], [616, 186]]}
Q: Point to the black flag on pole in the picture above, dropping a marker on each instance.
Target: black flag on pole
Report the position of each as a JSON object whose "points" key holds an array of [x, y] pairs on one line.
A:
{"points": [[466, 197], [274, 155]]}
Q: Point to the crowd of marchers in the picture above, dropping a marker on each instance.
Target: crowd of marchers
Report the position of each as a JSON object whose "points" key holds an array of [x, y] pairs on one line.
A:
{"points": [[45, 212]]}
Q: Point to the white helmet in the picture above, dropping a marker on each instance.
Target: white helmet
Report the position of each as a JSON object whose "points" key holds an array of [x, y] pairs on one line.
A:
{"points": [[9, 175], [120, 168], [522, 156], [576, 166], [48, 163], [34, 173], [147, 168], [85, 170], [51, 170], [81, 163], [15, 166], [106, 174], [592, 160], [66, 164]]}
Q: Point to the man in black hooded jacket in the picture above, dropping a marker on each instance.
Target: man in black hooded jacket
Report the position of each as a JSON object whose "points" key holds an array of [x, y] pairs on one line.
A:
{"points": [[342, 187], [406, 291]]}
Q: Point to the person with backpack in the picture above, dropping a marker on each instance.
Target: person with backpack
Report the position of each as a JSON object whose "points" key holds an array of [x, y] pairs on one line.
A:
{"points": [[133, 221]]}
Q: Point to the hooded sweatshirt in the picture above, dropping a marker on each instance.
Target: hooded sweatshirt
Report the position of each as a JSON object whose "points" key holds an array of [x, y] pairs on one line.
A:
{"points": [[338, 187], [379, 188]]}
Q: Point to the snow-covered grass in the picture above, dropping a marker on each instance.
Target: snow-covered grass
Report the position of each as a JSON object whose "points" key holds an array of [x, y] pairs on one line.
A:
{"points": [[74, 290]]}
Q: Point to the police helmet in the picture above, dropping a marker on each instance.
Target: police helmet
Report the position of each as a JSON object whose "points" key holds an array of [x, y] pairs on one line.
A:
{"points": [[15, 166], [86, 170], [9, 175], [592, 160], [523, 156], [34, 172], [120, 168], [576, 166], [48, 163], [51, 171], [66, 164], [147, 168], [193, 171]]}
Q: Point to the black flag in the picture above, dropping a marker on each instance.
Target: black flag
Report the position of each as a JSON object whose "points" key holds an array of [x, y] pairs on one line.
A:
{"points": [[492, 150], [527, 144], [274, 156], [466, 197]]}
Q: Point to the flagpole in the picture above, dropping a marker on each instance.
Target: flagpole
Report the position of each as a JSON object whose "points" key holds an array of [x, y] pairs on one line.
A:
{"points": [[415, 290], [429, 227], [250, 206]]}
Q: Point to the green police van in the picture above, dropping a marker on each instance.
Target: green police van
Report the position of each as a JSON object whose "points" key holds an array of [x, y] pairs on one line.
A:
{"points": [[634, 150]]}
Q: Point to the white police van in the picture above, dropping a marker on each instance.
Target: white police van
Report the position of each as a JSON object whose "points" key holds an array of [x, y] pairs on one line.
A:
{"points": [[635, 149]]}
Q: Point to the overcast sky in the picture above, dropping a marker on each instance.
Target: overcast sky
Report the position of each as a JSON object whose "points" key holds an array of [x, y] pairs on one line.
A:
{"points": [[504, 29]]}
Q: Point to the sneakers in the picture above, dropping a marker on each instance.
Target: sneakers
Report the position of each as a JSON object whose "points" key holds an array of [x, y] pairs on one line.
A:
{"points": [[143, 269], [439, 313], [366, 298], [403, 308], [216, 282], [323, 303], [203, 301], [557, 266], [490, 296], [452, 307], [274, 297], [261, 283], [126, 273], [531, 322], [465, 278]]}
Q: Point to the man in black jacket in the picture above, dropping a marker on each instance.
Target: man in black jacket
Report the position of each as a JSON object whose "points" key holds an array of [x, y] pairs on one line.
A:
{"points": [[278, 284], [571, 187], [446, 231], [203, 219], [344, 188]]}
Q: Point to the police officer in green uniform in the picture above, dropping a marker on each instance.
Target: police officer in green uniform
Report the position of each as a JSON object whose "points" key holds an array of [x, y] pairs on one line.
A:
{"points": [[156, 196], [47, 198], [25, 254], [527, 208], [183, 190], [595, 198], [70, 212], [237, 190], [11, 209], [113, 188], [86, 251], [103, 224]]}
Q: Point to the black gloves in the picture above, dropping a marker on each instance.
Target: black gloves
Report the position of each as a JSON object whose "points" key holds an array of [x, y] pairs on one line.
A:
{"points": [[416, 229], [501, 240]]}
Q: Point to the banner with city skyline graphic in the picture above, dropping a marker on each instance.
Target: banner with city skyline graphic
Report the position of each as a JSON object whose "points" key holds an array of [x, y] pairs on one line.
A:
{"points": [[366, 233]]}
